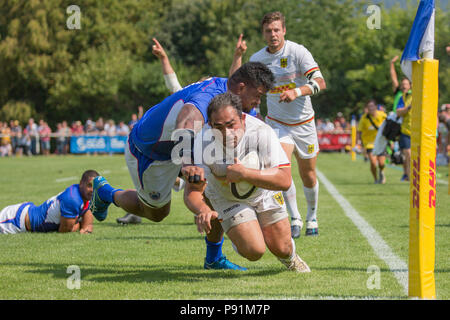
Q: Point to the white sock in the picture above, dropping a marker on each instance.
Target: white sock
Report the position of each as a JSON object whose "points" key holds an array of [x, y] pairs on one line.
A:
{"points": [[312, 200], [180, 186], [290, 197], [235, 249]]}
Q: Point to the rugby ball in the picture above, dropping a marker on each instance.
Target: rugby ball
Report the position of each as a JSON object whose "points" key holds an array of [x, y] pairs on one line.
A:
{"points": [[243, 189]]}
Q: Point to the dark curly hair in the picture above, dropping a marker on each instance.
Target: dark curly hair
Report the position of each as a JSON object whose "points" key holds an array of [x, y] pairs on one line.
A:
{"points": [[224, 100], [253, 74]]}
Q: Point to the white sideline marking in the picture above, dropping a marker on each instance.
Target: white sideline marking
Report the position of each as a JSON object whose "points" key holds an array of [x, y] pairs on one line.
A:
{"points": [[442, 181], [66, 179], [75, 178], [397, 266]]}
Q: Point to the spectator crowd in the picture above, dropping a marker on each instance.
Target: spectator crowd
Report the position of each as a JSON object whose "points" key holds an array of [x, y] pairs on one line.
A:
{"points": [[34, 138]]}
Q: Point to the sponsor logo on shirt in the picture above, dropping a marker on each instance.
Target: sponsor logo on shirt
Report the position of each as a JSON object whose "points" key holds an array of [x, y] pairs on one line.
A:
{"points": [[282, 88]]}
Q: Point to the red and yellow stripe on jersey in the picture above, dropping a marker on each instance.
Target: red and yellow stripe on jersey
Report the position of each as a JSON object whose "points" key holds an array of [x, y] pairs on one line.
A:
{"points": [[310, 71]]}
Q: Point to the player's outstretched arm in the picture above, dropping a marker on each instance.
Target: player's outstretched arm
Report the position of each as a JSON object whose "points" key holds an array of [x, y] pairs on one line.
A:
{"points": [[318, 85], [170, 77], [87, 222], [393, 73], [160, 53], [194, 200], [190, 118], [68, 225], [241, 48]]}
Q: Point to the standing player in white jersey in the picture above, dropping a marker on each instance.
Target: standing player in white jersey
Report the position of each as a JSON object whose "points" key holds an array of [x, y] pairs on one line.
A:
{"points": [[66, 212], [245, 169], [290, 112]]}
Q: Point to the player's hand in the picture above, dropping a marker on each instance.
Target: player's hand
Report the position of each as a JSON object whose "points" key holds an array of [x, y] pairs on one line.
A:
{"points": [[203, 221], [394, 59], [236, 171], [241, 46], [158, 50], [193, 174], [288, 96]]}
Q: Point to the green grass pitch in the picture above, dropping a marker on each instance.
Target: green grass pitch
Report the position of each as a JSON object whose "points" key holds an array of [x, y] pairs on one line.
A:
{"points": [[165, 260]]}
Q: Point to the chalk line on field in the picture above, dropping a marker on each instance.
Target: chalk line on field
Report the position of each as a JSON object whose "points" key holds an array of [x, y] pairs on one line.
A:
{"points": [[397, 266], [76, 178], [66, 179]]}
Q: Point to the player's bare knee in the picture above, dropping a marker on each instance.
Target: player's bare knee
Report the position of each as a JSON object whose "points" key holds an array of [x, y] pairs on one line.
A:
{"points": [[254, 254], [285, 251], [156, 215], [281, 249]]}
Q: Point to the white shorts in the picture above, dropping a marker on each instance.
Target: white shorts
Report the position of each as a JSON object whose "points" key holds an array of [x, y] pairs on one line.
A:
{"points": [[154, 186], [269, 210], [12, 218], [302, 136]]}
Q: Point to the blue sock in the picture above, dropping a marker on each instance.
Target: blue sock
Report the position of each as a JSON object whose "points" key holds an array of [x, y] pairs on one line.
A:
{"points": [[213, 251], [106, 193]]}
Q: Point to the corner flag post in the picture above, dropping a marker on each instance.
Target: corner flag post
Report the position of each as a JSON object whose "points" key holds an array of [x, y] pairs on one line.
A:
{"points": [[423, 179], [423, 152], [353, 124]]}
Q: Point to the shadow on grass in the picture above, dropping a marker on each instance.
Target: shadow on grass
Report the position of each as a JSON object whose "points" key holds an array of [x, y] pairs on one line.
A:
{"points": [[171, 238], [347, 183], [437, 226], [146, 223], [141, 274], [290, 299]]}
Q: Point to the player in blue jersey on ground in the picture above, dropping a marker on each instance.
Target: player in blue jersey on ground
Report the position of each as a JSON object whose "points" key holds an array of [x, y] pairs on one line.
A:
{"points": [[68, 211], [151, 145]]}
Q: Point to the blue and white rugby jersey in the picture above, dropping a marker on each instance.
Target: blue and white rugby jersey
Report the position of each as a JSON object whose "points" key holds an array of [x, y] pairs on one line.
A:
{"points": [[152, 134], [47, 216]]}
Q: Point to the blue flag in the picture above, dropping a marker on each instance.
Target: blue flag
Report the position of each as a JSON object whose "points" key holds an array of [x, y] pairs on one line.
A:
{"points": [[421, 37]]}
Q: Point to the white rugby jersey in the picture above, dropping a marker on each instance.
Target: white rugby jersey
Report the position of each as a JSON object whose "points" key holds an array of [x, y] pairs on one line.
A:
{"points": [[214, 158], [290, 66]]}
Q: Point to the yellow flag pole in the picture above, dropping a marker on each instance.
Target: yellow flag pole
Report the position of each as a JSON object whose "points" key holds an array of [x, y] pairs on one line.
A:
{"points": [[353, 123], [423, 179]]}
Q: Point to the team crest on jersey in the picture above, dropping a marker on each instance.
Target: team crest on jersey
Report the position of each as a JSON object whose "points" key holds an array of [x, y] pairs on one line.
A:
{"points": [[279, 197], [283, 62], [310, 148], [155, 195]]}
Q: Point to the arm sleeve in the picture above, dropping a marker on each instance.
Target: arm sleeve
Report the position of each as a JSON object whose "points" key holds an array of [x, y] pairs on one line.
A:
{"points": [[69, 205], [172, 83], [201, 101], [306, 61], [253, 112]]}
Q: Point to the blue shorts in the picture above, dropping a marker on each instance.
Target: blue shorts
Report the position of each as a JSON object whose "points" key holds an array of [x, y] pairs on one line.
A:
{"points": [[45, 145], [404, 142]]}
